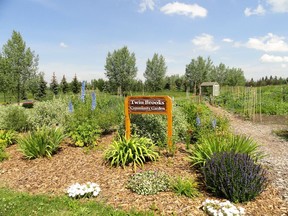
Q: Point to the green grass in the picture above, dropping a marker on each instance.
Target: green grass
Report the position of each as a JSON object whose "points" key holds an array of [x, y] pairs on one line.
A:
{"points": [[282, 133], [15, 203]]}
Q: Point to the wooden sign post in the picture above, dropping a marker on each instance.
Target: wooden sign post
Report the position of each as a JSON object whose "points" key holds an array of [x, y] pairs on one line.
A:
{"points": [[149, 105]]}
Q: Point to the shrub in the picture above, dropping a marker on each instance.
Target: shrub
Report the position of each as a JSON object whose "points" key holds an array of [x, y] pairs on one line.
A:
{"points": [[85, 134], [148, 182], [3, 154], [185, 186], [8, 136], [234, 176], [154, 127], [134, 150], [49, 113], [43, 142], [210, 144], [14, 118]]}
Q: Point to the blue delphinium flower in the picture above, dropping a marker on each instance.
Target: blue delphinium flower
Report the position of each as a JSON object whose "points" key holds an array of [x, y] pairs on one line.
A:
{"points": [[93, 95]]}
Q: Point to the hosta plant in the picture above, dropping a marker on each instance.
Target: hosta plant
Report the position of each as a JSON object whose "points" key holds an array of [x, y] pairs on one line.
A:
{"points": [[148, 182], [43, 142], [210, 144], [234, 176], [135, 151]]}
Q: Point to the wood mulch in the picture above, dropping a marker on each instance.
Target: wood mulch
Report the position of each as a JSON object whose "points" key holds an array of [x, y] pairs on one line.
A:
{"points": [[70, 165]]}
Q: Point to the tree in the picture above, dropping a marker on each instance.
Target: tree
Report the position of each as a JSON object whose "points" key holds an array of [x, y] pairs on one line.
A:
{"points": [[75, 85], [198, 71], [235, 77], [42, 87], [5, 82], [64, 85], [54, 87], [218, 74], [155, 73], [21, 62], [120, 69]]}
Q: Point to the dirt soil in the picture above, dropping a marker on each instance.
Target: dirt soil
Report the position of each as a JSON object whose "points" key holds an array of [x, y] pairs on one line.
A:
{"points": [[71, 165]]}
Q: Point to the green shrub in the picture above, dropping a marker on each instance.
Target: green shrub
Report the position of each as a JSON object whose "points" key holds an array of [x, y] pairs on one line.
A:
{"points": [[3, 154], [43, 142], [85, 134], [148, 182], [14, 118], [134, 150], [154, 127], [234, 176], [210, 144], [185, 186], [49, 113], [8, 136]]}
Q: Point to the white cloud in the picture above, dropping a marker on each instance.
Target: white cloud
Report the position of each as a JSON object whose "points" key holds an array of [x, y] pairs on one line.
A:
{"points": [[227, 40], [146, 4], [273, 59], [63, 45], [190, 10], [268, 43], [279, 6], [205, 42], [258, 11]]}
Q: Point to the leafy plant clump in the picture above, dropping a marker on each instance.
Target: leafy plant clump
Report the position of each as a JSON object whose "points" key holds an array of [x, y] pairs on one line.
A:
{"points": [[148, 182], [136, 150], [185, 186], [210, 144], [234, 176], [3, 154], [8, 136], [13, 118], [43, 142]]}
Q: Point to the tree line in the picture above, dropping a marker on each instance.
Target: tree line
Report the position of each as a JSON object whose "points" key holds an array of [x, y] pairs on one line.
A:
{"points": [[19, 74], [265, 81]]}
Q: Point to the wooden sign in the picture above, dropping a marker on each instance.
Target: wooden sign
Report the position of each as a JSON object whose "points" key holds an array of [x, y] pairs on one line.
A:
{"points": [[149, 105]]}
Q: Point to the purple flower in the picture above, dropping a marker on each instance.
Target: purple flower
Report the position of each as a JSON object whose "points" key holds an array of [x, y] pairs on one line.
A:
{"points": [[198, 121]]}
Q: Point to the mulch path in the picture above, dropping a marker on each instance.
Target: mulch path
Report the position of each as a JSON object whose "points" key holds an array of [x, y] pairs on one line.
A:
{"points": [[70, 165]]}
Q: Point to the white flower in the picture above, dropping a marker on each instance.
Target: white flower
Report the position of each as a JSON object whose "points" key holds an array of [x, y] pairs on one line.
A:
{"points": [[217, 208], [86, 190]]}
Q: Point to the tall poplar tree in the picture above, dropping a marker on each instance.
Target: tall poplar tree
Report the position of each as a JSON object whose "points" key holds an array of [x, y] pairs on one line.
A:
{"points": [[121, 70], [21, 64], [155, 73]]}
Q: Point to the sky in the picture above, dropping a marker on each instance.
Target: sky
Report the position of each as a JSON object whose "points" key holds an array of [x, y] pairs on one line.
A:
{"points": [[74, 36]]}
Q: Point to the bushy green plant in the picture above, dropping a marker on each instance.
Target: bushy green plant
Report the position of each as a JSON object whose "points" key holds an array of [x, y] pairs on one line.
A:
{"points": [[234, 176], [3, 154], [13, 118], [136, 150], [148, 182], [210, 144], [154, 127], [8, 136], [185, 186], [43, 142], [49, 113], [85, 134]]}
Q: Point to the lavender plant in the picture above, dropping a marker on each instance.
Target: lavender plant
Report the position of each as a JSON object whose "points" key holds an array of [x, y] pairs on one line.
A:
{"points": [[234, 176]]}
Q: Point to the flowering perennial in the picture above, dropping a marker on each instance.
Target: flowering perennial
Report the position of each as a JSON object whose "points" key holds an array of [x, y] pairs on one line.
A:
{"points": [[87, 190], [217, 208]]}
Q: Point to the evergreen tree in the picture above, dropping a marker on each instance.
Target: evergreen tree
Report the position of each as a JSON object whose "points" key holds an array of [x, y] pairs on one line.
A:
{"points": [[54, 87], [64, 85], [42, 87], [75, 85]]}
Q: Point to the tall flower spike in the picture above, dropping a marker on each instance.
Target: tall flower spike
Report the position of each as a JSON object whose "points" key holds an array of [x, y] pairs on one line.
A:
{"points": [[70, 107], [198, 121], [93, 100], [83, 91]]}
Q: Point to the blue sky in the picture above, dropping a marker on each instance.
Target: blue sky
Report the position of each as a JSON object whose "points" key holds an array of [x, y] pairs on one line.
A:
{"points": [[74, 36]]}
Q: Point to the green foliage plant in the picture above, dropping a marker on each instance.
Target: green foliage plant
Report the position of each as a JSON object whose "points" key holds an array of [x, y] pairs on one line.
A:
{"points": [[14, 118], [185, 186], [85, 135], [234, 176], [136, 150], [8, 136], [148, 182], [3, 154], [43, 142], [210, 144]]}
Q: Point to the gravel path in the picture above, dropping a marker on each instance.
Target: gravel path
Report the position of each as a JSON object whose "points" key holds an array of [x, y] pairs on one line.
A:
{"points": [[275, 148]]}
